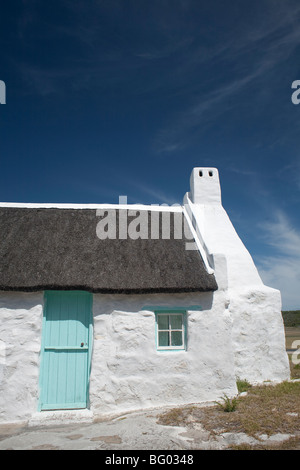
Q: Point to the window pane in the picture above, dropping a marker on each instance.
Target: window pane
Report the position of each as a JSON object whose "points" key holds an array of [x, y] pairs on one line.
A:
{"points": [[163, 322], [176, 322], [163, 338], [176, 338]]}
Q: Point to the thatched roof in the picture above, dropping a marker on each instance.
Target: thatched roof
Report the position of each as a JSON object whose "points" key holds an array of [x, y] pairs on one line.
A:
{"points": [[55, 248]]}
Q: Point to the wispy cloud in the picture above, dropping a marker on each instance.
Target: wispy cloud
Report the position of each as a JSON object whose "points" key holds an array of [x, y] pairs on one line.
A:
{"points": [[243, 171], [252, 55], [292, 172], [170, 47], [282, 270], [202, 114], [157, 196], [162, 51], [282, 235]]}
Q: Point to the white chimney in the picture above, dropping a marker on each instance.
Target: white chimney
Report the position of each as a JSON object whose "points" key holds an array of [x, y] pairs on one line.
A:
{"points": [[205, 186]]}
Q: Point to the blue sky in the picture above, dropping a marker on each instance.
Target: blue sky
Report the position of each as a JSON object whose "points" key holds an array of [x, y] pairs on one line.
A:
{"points": [[109, 98]]}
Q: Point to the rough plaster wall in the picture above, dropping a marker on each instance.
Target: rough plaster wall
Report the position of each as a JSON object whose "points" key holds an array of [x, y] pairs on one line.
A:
{"points": [[219, 237], [258, 330], [129, 373], [20, 337], [238, 333], [258, 335]]}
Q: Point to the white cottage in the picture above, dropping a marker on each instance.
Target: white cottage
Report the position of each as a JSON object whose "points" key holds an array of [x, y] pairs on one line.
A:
{"points": [[112, 308]]}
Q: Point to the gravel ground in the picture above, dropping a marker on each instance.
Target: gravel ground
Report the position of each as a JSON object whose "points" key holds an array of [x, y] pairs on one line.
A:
{"points": [[132, 431]]}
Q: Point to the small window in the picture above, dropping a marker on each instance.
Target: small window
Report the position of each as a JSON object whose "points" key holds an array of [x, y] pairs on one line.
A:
{"points": [[200, 173], [210, 173], [170, 330]]}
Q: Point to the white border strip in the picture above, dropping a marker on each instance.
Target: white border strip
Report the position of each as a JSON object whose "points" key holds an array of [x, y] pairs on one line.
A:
{"points": [[197, 240], [48, 205]]}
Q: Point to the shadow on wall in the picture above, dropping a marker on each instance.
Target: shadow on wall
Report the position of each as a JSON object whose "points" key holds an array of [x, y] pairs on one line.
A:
{"points": [[107, 303], [12, 300]]}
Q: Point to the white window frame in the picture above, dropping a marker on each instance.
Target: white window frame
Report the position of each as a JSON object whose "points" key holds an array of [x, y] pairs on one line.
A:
{"points": [[182, 347]]}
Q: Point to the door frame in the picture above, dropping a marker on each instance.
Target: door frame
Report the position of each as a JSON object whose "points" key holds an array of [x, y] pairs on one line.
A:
{"points": [[42, 354]]}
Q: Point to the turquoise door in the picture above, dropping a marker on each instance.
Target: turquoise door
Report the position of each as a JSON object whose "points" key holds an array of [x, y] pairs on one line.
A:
{"points": [[66, 347]]}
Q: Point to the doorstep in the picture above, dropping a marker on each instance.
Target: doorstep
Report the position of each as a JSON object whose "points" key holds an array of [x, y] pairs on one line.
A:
{"points": [[59, 417]]}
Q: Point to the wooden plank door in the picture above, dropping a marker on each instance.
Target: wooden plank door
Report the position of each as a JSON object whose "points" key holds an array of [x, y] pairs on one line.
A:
{"points": [[66, 343]]}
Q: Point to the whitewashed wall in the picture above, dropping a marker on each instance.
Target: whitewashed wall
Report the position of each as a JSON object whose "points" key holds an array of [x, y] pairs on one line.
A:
{"points": [[129, 373], [241, 336], [258, 335], [20, 337], [238, 333]]}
